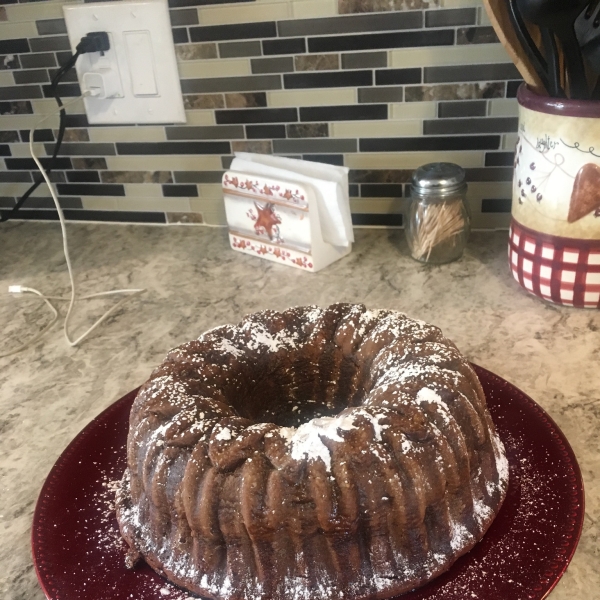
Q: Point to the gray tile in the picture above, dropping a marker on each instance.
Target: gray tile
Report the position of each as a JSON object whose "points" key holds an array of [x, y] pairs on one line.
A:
{"points": [[51, 26], [196, 51], [40, 202], [214, 132], [351, 24], [231, 84], [307, 130], [136, 176], [255, 146], [464, 108], [14, 177], [198, 176], [89, 163], [238, 49], [20, 92], [454, 91], [364, 60], [325, 146], [83, 149], [380, 94], [466, 126], [186, 16], [476, 35], [246, 100], [45, 44], [459, 73], [36, 61], [283, 64], [31, 76], [448, 18], [10, 62]]}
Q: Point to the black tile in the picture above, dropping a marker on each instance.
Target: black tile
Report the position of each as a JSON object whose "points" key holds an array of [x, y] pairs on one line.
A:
{"points": [[40, 135], [90, 189], [15, 177], [5, 150], [36, 61], [46, 44], [397, 76], [314, 146], [198, 176], [31, 76], [496, 205], [9, 137], [364, 60], [257, 115], [327, 79], [280, 64], [83, 149], [490, 173], [64, 90], [351, 24], [265, 132], [289, 46], [16, 108], [499, 159], [83, 176], [344, 113], [10, 62], [381, 190], [226, 161], [133, 148], [380, 94], [184, 17], [402, 39], [20, 92], [28, 164], [76, 121], [180, 35], [329, 159], [34, 202], [68, 77], [425, 144], [16, 46], [462, 108], [120, 216], [241, 31], [51, 26], [460, 73], [376, 220], [238, 49], [210, 132], [451, 17], [466, 126], [353, 190], [63, 57], [231, 84], [179, 191], [476, 35], [512, 87]]}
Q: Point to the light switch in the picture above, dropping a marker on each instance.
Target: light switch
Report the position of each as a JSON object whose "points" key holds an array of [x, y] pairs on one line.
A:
{"points": [[140, 59], [136, 80]]}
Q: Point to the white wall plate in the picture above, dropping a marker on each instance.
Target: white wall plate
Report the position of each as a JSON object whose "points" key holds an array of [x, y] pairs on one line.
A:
{"points": [[137, 80]]}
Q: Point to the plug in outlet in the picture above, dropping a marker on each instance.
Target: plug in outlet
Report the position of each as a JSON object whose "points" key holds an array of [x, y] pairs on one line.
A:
{"points": [[136, 80]]}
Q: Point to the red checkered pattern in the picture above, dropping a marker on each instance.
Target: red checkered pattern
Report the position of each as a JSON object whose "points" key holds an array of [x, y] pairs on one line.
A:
{"points": [[561, 270]]}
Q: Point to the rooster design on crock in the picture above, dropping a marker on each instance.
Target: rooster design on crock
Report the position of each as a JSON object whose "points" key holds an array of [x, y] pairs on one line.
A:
{"points": [[550, 163]]}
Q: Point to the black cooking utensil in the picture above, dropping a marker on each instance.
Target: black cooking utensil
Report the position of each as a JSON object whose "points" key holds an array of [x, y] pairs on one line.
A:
{"points": [[551, 51], [587, 29], [559, 17]]}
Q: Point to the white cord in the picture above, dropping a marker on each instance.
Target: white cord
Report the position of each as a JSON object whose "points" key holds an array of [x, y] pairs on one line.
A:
{"points": [[72, 299]]}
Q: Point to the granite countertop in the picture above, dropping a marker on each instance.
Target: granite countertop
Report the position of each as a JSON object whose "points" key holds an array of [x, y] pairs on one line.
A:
{"points": [[194, 281]]}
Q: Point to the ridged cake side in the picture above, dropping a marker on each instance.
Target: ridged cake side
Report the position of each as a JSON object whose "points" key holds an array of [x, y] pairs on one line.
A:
{"points": [[403, 475]]}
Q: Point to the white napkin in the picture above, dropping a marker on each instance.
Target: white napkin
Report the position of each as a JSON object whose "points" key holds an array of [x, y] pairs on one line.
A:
{"points": [[329, 183]]}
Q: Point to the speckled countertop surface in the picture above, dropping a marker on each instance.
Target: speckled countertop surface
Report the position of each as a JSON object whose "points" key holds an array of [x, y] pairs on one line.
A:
{"points": [[50, 392]]}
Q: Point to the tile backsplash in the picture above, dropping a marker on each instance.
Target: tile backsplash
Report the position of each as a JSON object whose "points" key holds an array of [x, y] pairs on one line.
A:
{"points": [[380, 86]]}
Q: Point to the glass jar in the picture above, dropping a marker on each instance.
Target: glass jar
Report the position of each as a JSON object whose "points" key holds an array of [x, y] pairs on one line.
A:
{"points": [[438, 221]]}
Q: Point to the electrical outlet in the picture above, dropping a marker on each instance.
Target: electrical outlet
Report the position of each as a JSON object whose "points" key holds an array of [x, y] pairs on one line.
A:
{"points": [[136, 80]]}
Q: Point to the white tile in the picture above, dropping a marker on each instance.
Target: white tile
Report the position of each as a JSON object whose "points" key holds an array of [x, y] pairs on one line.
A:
{"points": [[570, 257], [592, 297], [545, 272], [527, 266], [546, 291], [592, 278], [594, 258], [528, 284], [530, 247], [568, 276], [566, 295], [548, 253]]}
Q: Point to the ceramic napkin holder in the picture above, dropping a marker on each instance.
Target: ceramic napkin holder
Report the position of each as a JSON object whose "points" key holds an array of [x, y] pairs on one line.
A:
{"points": [[277, 220]]}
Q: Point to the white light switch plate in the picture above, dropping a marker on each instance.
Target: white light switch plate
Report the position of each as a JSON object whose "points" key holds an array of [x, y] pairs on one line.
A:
{"points": [[136, 81]]}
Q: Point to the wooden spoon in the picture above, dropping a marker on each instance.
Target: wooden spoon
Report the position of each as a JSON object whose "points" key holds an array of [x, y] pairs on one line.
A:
{"points": [[498, 14]]}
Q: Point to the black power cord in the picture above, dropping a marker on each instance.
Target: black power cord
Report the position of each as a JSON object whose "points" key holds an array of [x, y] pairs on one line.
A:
{"points": [[96, 41]]}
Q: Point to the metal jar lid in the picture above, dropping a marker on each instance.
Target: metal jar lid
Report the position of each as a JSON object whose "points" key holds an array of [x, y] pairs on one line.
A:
{"points": [[438, 179]]}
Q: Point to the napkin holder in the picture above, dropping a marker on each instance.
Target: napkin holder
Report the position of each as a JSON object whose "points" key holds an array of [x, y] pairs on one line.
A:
{"points": [[277, 220]]}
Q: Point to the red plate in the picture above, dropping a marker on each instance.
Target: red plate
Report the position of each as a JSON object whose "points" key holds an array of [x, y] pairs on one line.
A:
{"points": [[78, 553]]}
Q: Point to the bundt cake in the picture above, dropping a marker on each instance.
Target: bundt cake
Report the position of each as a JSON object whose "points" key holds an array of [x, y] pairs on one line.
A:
{"points": [[334, 453]]}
